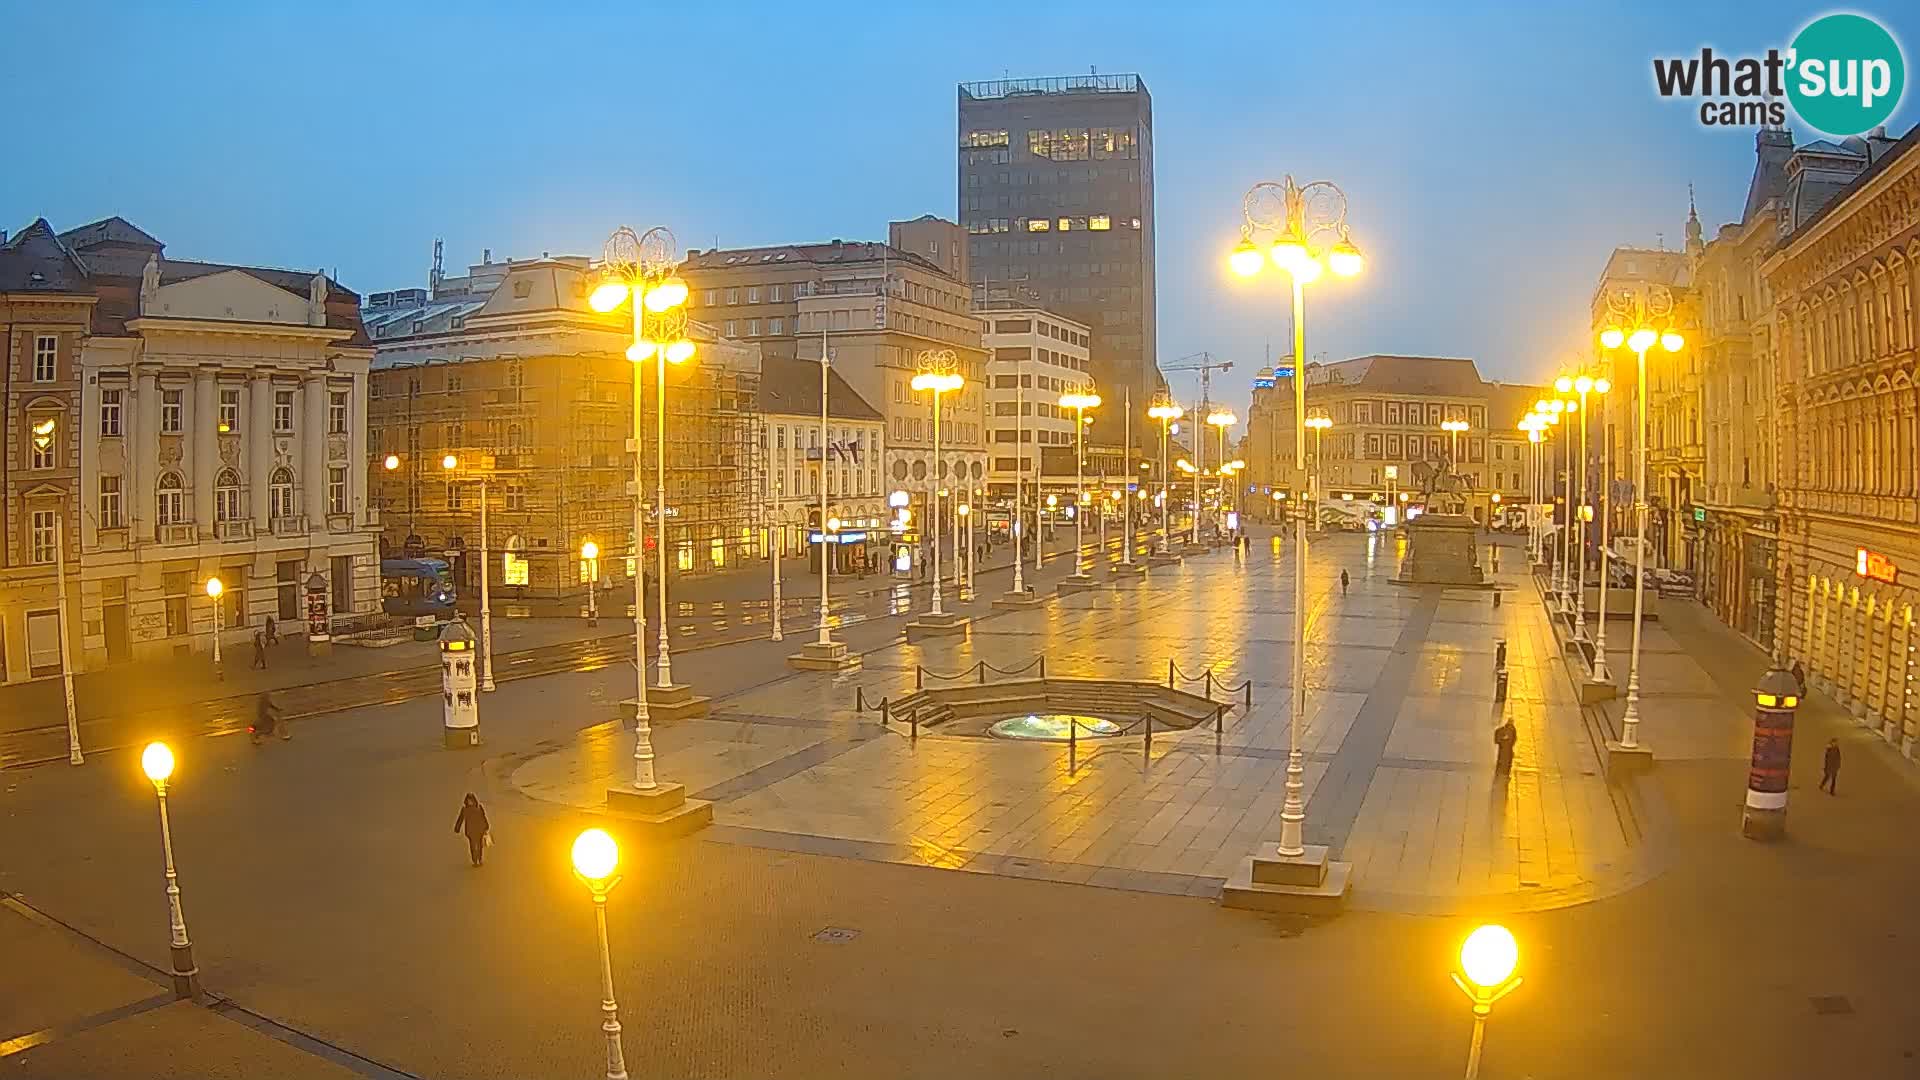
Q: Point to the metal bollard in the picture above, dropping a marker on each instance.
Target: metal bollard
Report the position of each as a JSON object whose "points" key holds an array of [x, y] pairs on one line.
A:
{"points": [[913, 723], [1146, 753], [980, 673], [1218, 712], [918, 673], [1169, 672], [1500, 685], [859, 699], [1500, 653], [1496, 598], [885, 715], [1043, 665], [1209, 684], [1073, 731], [1248, 687]]}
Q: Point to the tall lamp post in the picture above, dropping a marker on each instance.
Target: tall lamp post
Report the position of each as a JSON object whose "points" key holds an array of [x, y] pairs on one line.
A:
{"points": [[1453, 428], [448, 465], [595, 856], [1643, 310], [214, 588], [1189, 467], [1079, 403], [157, 762], [1487, 960], [937, 375], [1166, 412], [1319, 424], [1601, 385], [1222, 419], [638, 269], [1309, 229], [590, 554]]}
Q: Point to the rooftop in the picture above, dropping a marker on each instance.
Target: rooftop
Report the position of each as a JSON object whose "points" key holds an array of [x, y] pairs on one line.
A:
{"points": [[836, 252], [1437, 375], [35, 260], [1057, 84], [792, 388]]}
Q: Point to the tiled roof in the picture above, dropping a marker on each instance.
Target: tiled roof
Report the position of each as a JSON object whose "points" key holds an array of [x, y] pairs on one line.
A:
{"points": [[1901, 149], [792, 388], [113, 230], [35, 260], [1404, 374]]}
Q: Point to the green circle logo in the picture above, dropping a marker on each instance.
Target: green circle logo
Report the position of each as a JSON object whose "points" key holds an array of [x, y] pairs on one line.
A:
{"points": [[1846, 74]]}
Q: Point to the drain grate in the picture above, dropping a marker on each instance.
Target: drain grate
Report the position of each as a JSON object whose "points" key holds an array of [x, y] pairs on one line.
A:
{"points": [[836, 935], [1831, 1005]]}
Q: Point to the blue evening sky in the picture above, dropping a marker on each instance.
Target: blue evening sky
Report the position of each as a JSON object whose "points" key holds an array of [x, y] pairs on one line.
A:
{"points": [[1493, 153]]}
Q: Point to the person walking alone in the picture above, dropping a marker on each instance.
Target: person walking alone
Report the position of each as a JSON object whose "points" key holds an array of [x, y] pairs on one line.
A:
{"points": [[1830, 768], [260, 649], [1504, 737], [473, 822], [1344, 582]]}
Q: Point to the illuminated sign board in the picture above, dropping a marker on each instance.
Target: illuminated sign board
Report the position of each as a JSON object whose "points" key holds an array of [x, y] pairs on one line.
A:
{"points": [[1873, 565], [839, 538], [1263, 384], [1284, 373], [1699, 513]]}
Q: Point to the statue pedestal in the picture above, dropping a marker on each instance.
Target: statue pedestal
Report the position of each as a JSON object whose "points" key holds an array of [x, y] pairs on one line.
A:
{"points": [[1442, 549]]}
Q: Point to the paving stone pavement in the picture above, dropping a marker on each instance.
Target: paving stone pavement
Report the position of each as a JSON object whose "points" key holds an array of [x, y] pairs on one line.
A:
{"points": [[1397, 737]]}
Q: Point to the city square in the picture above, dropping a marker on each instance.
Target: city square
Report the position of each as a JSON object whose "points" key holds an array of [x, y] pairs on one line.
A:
{"points": [[834, 562]]}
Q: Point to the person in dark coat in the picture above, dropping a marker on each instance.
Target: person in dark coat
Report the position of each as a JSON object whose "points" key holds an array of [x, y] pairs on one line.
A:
{"points": [[473, 822], [273, 632], [260, 649], [264, 718], [1344, 581], [1830, 768], [1800, 677], [1504, 737]]}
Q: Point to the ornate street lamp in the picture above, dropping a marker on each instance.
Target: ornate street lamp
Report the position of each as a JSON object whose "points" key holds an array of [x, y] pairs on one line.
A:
{"points": [[1079, 403], [595, 856], [1166, 412], [1308, 227], [937, 374], [157, 762]]}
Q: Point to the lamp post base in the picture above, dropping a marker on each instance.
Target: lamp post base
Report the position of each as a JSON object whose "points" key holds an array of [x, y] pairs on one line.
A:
{"points": [[1624, 761], [1595, 690], [945, 624], [186, 974], [1306, 884], [676, 702], [832, 656], [459, 738], [1014, 601], [1163, 558], [1074, 583], [1127, 571], [661, 811]]}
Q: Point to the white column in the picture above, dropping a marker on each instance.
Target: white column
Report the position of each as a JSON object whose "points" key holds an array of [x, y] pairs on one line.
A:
{"points": [[259, 440], [143, 464], [206, 449], [357, 450], [88, 439], [312, 435]]}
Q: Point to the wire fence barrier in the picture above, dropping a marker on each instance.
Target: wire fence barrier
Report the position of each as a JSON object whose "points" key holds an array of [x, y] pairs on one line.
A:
{"points": [[1175, 676]]}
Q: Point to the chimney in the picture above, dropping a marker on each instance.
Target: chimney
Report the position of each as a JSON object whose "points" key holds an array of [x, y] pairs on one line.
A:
{"points": [[691, 252], [486, 256]]}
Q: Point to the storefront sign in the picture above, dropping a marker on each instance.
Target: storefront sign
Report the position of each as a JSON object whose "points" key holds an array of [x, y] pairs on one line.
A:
{"points": [[856, 537], [1875, 566]]}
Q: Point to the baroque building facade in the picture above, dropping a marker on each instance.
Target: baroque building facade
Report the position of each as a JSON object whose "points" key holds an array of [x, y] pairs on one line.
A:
{"points": [[1843, 281]]}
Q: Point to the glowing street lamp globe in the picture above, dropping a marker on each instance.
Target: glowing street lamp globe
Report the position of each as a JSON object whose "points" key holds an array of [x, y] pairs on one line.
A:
{"points": [[607, 295], [392, 462], [680, 351], [215, 587], [1246, 259], [1488, 956], [1583, 384], [449, 462], [156, 761], [1289, 253], [595, 855], [670, 293], [641, 351], [1642, 340], [1672, 341], [589, 550], [1601, 386], [1563, 384], [1345, 259], [1612, 337]]}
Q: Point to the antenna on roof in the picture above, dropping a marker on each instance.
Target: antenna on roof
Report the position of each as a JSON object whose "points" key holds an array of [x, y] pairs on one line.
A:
{"points": [[435, 276]]}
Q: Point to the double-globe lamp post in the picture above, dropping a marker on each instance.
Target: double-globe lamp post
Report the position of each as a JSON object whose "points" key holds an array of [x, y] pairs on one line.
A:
{"points": [[1222, 419], [639, 270], [1166, 412], [1319, 424], [1079, 403], [1641, 339], [157, 762], [1583, 385], [937, 375], [449, 464], [1309, 229]]}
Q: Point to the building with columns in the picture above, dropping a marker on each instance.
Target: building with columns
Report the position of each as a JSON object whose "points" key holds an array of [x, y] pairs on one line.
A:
{"points": [[222, 419], [1843, 281]]}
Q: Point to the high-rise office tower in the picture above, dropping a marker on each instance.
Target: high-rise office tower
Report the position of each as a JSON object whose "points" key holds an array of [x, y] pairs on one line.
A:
{"points": [[1056, 194]]}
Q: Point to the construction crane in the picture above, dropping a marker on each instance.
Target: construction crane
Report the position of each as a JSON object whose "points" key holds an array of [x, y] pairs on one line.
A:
{"points": [[1206, 365]]}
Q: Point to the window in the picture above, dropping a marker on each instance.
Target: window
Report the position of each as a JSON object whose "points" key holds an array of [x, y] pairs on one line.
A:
{"points": [[230, 412], [337, 408], [733, 296], [1099, 223], [730, 330], [753, 294], [280, 494], [776, 326], [282, 410], [337, 489], [46, 349], [775, 293], [170, 411], [110, 412], [516, 499], [1039, 225], [43, 442], [753, 327], [341, 579], [171, 503], [456, 435], [453, 382], [712, 297], [453, 496], [226, 496], [110, 503], [40, 543]]}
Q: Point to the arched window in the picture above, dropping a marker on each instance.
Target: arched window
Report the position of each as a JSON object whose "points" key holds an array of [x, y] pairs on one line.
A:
{"points": [[280, 493], [226, 496], [516, 438], [171, 500]]}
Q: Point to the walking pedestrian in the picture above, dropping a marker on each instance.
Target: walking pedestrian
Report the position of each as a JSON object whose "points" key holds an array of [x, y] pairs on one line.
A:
{"points": [[260, 649], [1800, 677], [1344, 582], [1504, 737], [473, 822], [1830, 768], [264, 717], [273, 633]]}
